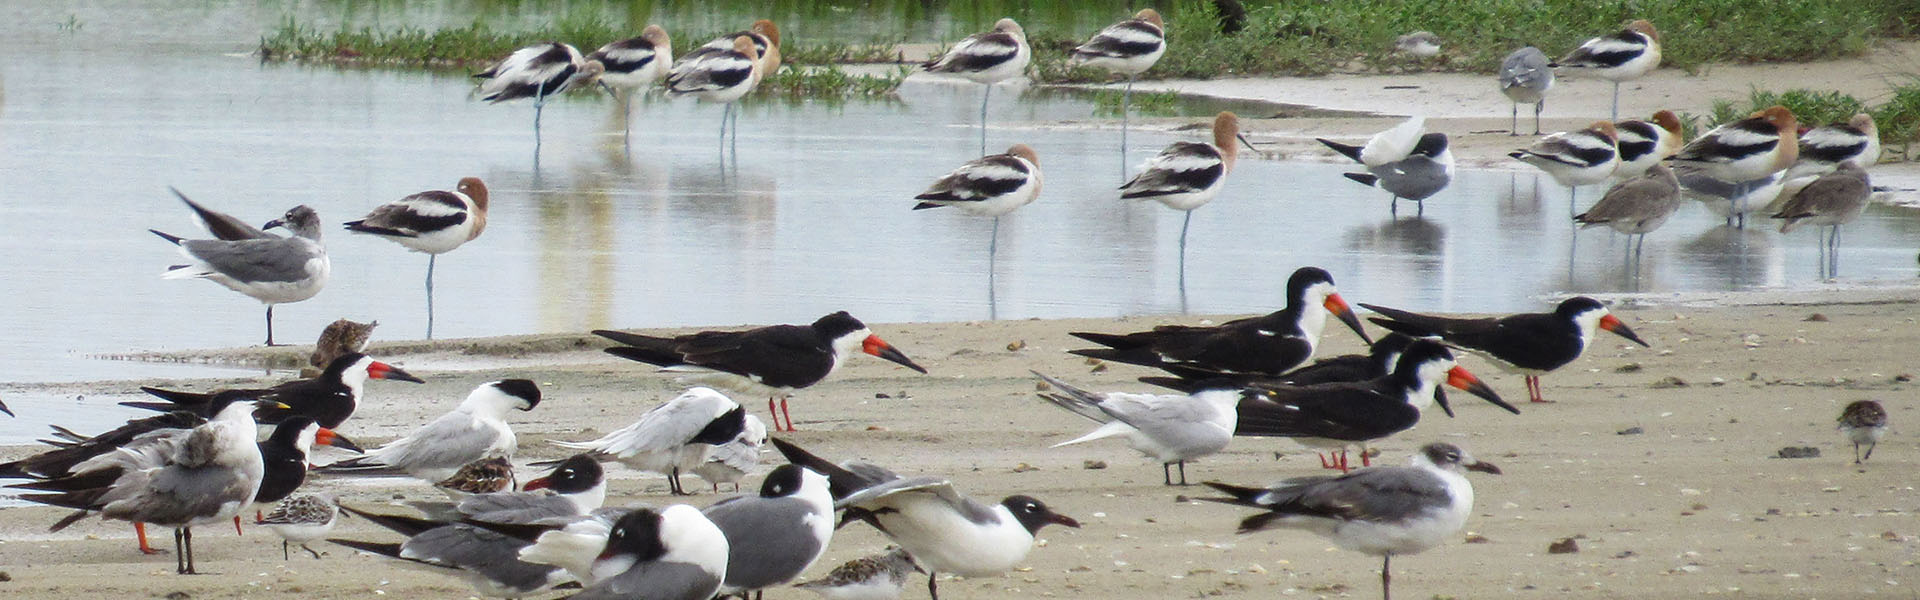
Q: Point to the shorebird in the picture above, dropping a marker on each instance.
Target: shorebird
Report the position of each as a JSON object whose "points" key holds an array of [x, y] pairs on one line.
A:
{"points": [[1383, 511], [776, 535], [1129, 48], [1831, 200], [732, 461], [1525, 78], [339, 338], [328, 399], [287, 454], [1531, 344], [1346, 368], [634, 64], [772, 361], [675, 436], [722, 76], [434, 222], [1732, 201], [485, 476], [766, 43], [944, 530], [1762, 144], [1172, 429], [1629, 54], [1187, 175], [1824, 148], [1863, 422], [986, 58], [474, 430], [877, 577], [539, 72], [1636, 206], [989, 186], [1575, 158], [1403, 161], [1419, 44], [1266, 345], [302, 519], [1643, 144], [673, 554], [271, 269]]}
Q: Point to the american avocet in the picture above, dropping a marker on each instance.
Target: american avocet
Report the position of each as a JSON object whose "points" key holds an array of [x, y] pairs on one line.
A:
{"points": [[1646, 143], [434, 222], [633, 64], [1629, 54], [1525, 79], [986, 58], [273, 270], [1864, 422], [1823, 148], [1129, 47], [1831, 200], [1636, 206], [1187, 175], [989, 186], [1732, 201], [1575, 158], [1169, 428], [538, 72], [766, 40], [718, 76], [1762, 144], [1531, 344], [1403, 161]]}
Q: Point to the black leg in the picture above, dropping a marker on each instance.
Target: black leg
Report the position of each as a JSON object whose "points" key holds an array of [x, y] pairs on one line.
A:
{"points": [[187, 534], [673, 482], [284, 554], [1183, 473], [179, 553], [1870, 448], [1166, 471], [933, 585], [269, 324], [1386, 580], [316, 555]]}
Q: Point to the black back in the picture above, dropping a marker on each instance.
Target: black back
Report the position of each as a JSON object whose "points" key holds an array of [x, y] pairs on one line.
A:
{"points": [[286, 464], [723, 428]]}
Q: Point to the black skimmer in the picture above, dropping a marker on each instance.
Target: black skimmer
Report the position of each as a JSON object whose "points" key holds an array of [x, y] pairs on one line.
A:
{"points": [[732, 461], [434, 222], [1347, 368], [775, 536], [877, 577], [1403, 161], [207, 475], [721, 76], [1575, 158], [1732, 201], [1762, 144], [286, 453], [328, 399], [1525, 79], [1187, 175], [1336, 415], [1383, 511], [1831, 200], [484, 476], [1643, 144], [302, 519], [1531, 344], [271, 269], [1129, 48], [770, 361], [1627, 55], [634, 64], [986, 58], [474, 430], [944, 530], [675, 436], [989, 186], [1636, 206], [1824, 148], [1863, 422], [1267, 345], [673, 554], [4, 409], [1172, 429], [539, 71]]}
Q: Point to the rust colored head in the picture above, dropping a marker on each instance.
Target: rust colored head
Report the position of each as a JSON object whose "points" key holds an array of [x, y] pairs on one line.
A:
{"points": [[1645, 27], [1151, 16]]}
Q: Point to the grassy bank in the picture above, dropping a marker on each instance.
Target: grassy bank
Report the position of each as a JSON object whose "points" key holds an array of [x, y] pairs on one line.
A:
{"points": [[1898, 117]]}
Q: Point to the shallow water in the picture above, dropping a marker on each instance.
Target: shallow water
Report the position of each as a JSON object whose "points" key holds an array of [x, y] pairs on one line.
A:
{"points": [[812, 217]]}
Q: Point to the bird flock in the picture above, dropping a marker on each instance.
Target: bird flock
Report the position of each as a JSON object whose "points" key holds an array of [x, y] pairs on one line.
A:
{"points": [[200, 462]]}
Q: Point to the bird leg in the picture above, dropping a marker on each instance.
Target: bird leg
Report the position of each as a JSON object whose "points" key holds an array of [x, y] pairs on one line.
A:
{"points": [[236, 525], [983, 118], [270, 326], [179, 554], [430, 261], [1514, 129], [784, 413], [1166, 473], [1537, 107], [673, 483], [284, 553], [1126, 102], [1386, 581], [1616, 102], [1183, 473], [1366, 458], [933, 585], [773, 414], [1870, 447], [140, 532], [316, 555], [1533, 390], [1856, 453]]}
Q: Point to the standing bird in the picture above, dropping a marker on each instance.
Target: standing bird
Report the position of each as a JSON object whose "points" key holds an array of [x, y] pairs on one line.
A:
{"points": [[1832, 200], [1382, 511], [1629, 54], [1129, 48], [1734, 201], [989, 186], [1265, 345], [1762, 144], [1525, 78], [732, 461], [1636, 206], [634, 64], [1575, 158], [1402, 161], [288, 454], [328, 399], [1824, 148], [987, 58], [474, 430], [273, 270], [776, 535], [539, 71], [772, 361], [1864, 422], [1644, 144], [675, 436], [1531, 344], [302, 519], [721, 76], [877, 577], [434, 222], [1187, 175], [766, 42], [1172, 429]]}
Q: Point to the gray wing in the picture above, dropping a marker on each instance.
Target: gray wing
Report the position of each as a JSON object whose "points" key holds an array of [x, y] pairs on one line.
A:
{"points": [[175, 495], [449, 442], [773, 542], [1413, 177], [875, 496], [663, 428], [222, 225], [489, 554], [1385, 495], [655, 581], [1075, 400], [1526, 67], [1161, 417], [516, 508], [254, 260]]}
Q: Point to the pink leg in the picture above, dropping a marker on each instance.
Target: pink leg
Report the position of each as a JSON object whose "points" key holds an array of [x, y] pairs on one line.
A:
{"points": [[1365, 459], [1343, 460], [783, 411], [1325, 463], [1533, 389], [773, 414]]}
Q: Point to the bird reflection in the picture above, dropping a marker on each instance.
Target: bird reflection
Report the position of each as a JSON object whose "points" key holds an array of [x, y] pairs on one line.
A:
{"points": [[1417, 235], [1735, 258]]}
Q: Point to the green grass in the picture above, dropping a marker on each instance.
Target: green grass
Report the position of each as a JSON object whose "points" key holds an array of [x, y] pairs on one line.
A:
{"points": [[1898, 118], [1106, 103], [833, 82]]}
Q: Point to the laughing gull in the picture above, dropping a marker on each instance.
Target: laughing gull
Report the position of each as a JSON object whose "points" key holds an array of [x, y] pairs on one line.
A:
{"points": [[634, 64], [1825, 148], [475, 430], [1525, 79], [1129, 48], [1172, 429], [673, 554], [987, 58], [768, 361], [877, 577], [273, 270], [1381, 511], [1864, 422], [1187, 175], [206, 476], [989, 186], [1267, 345], [942, 529], [1531, 344], [539, 72], [328, 399], [434, 222], [775, 536], [1629, 54], [732, 461], [675, 436], [302, 519], [1402, 160]]}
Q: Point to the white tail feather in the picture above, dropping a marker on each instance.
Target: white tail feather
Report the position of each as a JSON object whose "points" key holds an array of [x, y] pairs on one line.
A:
{"points": [[1393, 144]]}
